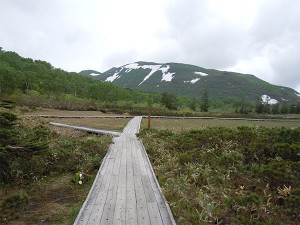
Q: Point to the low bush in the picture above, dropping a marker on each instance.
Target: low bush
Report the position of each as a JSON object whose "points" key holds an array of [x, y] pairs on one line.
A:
{"points": [[245, 175]]}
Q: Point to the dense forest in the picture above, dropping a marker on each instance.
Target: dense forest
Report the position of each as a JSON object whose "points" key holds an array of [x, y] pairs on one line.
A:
{"points": [[38, 78]]}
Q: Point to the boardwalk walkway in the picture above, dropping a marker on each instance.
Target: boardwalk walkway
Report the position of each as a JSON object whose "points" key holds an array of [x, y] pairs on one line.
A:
{"points": [[91, 130], [125, 190]]}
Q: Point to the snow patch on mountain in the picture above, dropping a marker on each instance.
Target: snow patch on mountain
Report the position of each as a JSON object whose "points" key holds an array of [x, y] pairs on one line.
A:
{"points": [[267, 99], [94, 74], [113, 77], [297, 94], [192, 81], [201, 74], [167, 77], [153, 68]]}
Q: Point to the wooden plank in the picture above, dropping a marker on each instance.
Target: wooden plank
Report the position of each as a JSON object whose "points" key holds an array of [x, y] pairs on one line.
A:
{"points": [[114, 190], [131, 212], [119, 214], [140, 159], [141, 207], [154, 214], [109, 209], [92, 130], [148, 189], [131, 204], [135, 162]]}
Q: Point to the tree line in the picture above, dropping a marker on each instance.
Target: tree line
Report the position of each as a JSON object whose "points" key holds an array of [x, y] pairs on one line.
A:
{"points": [[38, 83]]}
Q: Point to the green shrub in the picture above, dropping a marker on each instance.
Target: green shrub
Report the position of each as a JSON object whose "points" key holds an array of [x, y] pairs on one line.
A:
{"points": [[5, 170], [279, 173], [228, 176], [7, 119], [16, 200]]}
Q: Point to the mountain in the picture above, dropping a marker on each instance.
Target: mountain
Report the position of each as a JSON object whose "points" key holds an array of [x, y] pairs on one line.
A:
{"points": [[191, 81], [90, 73]]}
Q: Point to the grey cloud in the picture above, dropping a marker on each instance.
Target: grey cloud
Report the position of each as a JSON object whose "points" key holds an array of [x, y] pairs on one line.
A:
{"points": [[76, 35], [276, 34], [204, 39]]}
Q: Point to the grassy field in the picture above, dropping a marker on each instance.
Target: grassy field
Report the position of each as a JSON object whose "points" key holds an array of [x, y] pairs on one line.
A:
{"points": [[216, 175], [192, 124], [116, 124], [68, 113], [38, 164]]}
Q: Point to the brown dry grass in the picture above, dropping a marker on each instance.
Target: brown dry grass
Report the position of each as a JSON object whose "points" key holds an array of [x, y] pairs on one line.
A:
{"points": [[189, 124], [98, 123], [51, 201], [68, 113]]}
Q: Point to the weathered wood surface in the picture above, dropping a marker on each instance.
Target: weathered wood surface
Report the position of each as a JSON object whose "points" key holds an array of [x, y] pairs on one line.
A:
{"points": [[125, 190], [91, 130]]}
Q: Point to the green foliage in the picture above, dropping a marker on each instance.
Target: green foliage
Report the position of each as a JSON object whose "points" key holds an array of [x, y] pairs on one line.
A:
{"points": [[7, 119], [169, 101], [5, 169], [204, 104], [30, 153], [38, 83], [193, 104], [16, 200], [10, 204], [244, 175]]}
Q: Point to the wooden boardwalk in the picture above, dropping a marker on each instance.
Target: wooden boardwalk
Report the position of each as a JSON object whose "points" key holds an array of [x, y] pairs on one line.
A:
{"points": [[125, 190], [91, 130]]}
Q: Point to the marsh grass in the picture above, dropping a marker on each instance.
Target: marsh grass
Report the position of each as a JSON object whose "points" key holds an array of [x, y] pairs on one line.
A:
{"points": [[228, 175], [41, 161], [45, 111], [190, 124], [116, 124]]}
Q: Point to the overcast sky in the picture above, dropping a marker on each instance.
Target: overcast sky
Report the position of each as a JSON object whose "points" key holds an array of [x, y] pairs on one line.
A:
{"points": [[260, 37]]}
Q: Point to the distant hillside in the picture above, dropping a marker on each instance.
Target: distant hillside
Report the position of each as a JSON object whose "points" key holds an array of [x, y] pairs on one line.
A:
{"points": [[24, 76], [90, 73], [191, 81]]}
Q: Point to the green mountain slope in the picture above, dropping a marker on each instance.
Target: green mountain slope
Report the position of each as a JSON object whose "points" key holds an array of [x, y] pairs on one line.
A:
{"points": [[24, 76], [189, 80], [90, 73]]}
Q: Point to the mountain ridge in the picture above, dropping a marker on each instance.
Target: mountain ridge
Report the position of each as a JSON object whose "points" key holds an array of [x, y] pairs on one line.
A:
{"points": [[191, 80]]}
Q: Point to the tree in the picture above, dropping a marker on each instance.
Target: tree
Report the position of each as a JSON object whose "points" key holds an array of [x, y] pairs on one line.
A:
{"points": [[284, 109], [259, 108], [193, 104], [275, 108], [149, 106], [169, 100], [204, 104]]}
